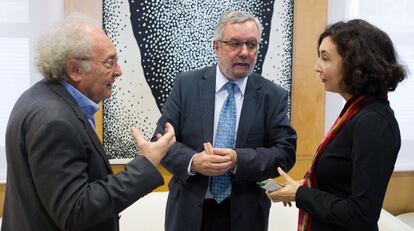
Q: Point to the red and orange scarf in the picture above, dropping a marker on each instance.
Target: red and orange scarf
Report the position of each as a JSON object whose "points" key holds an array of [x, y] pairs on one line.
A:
{"points": [[349, 110]]}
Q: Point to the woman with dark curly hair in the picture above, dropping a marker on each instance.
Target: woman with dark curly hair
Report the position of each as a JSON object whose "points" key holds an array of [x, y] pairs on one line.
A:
{"points": [[345, 186]]}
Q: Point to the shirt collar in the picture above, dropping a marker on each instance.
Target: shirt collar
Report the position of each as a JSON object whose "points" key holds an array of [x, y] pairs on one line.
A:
{"points": [[221, 80], [87, 106]]}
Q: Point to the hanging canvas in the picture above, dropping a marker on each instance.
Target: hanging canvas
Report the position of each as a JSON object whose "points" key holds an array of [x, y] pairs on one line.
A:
{"points": [[156, 39]]}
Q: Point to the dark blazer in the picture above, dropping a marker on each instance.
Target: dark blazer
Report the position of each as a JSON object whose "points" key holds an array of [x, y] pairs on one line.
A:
{"points": [[353, 172], [265, 140], [58, 176]]}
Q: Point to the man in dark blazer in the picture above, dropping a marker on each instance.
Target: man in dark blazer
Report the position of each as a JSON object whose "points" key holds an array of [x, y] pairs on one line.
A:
{"points": [[58, 175], [264, 138]]}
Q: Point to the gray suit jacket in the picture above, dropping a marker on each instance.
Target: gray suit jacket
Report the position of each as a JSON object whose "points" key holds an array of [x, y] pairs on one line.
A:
{"points": [[265, 140], [58, 176]]}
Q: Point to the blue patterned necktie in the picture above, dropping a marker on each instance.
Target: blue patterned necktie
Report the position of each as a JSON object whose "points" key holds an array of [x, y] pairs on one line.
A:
{"points": [[220, 186]]}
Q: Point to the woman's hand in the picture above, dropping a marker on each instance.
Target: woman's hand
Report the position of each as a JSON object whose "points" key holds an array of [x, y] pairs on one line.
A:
{"points": [[288, 193]]}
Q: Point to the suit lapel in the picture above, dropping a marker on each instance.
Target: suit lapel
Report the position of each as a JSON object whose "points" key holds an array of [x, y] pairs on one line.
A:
{"points": [[97, 143], [249, 109], [207, 94], [61, 91]]}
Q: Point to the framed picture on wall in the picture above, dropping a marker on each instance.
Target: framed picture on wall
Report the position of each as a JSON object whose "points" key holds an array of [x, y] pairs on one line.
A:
{"points": [[158, 39]]}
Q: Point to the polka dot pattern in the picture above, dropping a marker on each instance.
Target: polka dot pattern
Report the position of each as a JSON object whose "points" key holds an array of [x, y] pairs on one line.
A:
{"points": [[173, 37]]}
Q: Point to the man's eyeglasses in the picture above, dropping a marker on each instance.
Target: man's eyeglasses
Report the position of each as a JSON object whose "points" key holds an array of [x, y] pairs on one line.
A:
{"points": [[235, 44], [109, 64]]}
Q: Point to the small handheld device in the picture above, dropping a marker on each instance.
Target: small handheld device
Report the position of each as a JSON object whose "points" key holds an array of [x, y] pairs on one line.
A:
{"points": [[270, 185]]}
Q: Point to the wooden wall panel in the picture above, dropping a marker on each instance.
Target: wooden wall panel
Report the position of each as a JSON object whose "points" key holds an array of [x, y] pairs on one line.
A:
{"points": [[308, 95], [91, 8], [399, 196], [2, 193]]}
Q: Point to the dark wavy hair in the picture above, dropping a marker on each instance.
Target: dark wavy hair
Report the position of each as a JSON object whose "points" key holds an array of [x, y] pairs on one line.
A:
{"points": [[370, 62]]}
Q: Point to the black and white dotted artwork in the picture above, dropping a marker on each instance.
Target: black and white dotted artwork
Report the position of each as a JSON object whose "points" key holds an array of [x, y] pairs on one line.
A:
{"points": [[156, 39]]}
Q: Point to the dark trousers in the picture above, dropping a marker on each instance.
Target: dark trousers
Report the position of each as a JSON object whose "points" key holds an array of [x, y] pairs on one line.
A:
{"points": [[216, 217]]}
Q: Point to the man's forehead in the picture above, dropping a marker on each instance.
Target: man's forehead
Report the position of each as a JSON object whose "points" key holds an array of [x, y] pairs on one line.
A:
{"points": [[230, 29]]}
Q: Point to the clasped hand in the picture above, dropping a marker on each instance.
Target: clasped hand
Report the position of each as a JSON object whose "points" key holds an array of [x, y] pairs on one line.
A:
{"points": [[214, 161]]}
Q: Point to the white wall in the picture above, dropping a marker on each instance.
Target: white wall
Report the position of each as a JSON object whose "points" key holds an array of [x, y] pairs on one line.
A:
{"points": [[22, 21], [43, 14]]}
